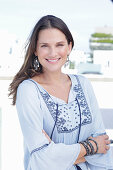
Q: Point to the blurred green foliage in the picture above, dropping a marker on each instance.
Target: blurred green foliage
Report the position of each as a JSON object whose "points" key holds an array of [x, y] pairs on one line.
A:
{"points": [[103, 41], [102, 35], [71, 65]]}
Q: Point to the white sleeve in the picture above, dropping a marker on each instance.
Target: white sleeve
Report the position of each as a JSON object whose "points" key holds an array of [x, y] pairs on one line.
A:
{"points": [[97, 161], [43, 155]]}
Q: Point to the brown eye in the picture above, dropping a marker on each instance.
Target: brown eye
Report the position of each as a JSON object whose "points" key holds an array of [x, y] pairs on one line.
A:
{"points": [[60, 45], [44, 45]]}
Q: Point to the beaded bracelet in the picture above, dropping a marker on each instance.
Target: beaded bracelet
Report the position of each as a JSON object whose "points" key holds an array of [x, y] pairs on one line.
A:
{"points": [[95, 144], [91, 147], [86, 148], [87, 144]]}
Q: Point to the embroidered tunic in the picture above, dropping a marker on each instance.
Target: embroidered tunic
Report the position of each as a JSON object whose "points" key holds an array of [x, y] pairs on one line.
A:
{"points": [[66, 123]]}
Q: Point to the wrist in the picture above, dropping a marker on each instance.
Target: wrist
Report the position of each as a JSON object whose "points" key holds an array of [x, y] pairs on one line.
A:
{"points": [[90, 146], [83, 150], [94, 144]]}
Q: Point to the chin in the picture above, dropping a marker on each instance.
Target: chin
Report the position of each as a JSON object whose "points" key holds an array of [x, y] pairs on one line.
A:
{"points": [[53, 69]]}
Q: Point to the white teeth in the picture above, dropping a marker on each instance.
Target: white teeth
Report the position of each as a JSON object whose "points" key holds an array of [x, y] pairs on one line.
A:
{"points": [[53, 60]]}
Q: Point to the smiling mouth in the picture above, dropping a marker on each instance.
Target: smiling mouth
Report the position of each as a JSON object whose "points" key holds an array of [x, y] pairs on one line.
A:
{"points": [[53, 60]]}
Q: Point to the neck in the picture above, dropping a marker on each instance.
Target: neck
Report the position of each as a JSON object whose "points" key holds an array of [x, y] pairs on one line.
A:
{"points": [[53, 78]]}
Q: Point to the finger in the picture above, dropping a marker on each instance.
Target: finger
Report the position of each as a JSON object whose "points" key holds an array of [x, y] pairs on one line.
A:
{"points": [[107, 147], [44, 131], [107, 142], [46, 135], [106, 137]]}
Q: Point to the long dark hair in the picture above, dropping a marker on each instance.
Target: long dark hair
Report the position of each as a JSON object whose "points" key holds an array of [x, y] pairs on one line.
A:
{"points": [[27, 70]]}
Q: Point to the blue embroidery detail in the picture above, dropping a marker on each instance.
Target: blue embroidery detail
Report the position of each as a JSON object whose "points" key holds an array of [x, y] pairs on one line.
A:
{"points": [[66, 122], [85, 111], [37, 149]]}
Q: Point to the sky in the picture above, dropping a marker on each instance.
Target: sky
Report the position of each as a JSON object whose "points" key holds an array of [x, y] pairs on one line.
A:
{"points": [[18, 17]]}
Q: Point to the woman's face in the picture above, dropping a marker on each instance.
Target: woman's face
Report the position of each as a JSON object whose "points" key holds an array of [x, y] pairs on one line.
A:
{"points": [[52, 49]]}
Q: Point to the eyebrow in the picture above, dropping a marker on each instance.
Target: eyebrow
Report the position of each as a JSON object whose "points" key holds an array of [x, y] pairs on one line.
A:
{"points": [[56, 43]]}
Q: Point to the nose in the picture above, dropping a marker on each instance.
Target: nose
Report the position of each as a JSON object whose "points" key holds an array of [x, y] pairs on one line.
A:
{"points": [[52, 52]]}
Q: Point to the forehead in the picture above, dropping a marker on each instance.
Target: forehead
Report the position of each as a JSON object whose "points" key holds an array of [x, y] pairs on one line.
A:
{"points": [[51, 34]]}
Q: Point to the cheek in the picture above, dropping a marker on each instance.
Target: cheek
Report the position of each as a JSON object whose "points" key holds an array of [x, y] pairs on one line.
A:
{"points": [[64, 52], [42, 52]]}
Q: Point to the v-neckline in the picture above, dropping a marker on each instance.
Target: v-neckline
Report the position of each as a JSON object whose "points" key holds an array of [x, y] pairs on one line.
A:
{"points": [[54, 97]]}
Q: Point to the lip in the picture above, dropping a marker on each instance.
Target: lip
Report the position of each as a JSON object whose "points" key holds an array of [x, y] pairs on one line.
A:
{"points": [[53, 60]]}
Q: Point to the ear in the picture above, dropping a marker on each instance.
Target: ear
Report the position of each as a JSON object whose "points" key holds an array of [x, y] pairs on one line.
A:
{"points": [[69, 48]]}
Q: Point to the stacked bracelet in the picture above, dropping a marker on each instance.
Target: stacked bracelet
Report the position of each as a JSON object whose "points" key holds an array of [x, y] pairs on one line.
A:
{"points": [[95, 144], [92, 152], [86, 148], [89, 147]]}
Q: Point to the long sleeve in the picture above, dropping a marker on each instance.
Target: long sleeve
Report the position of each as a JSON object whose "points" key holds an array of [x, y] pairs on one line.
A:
{"points": [[97, 161], [43, 155]]}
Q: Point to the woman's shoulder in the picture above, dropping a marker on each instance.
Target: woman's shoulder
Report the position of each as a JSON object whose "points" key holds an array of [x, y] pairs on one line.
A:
{"points": [[27, 92], [27, 85], [80, 78], [81, 81]]}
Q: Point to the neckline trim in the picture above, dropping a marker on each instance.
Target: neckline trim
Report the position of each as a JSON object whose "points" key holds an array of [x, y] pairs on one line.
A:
{"points": [[54, 97]]}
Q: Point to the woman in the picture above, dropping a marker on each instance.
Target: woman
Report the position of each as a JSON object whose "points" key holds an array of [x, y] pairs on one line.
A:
{"points": [[57, 112]]}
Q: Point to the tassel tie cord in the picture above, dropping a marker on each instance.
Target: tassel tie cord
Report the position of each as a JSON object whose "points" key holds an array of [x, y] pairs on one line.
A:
{"points": [[78, 168]]}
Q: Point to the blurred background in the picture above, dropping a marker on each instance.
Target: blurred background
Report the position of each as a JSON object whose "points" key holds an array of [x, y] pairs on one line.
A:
{"points": [[91, 25]]}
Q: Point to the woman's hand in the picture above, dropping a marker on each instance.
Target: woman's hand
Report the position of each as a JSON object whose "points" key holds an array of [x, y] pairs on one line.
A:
{"points": [[46, 136], [103, 143], [80, 160]]}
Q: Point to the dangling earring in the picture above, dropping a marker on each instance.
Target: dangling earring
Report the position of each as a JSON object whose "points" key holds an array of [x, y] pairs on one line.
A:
{"points": [[67, 59], [36, 63], [67, 62]]}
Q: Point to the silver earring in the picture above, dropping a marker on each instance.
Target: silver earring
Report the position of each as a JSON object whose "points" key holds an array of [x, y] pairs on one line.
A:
{"points": [[67, 59], [36, 63], [67, 62]]}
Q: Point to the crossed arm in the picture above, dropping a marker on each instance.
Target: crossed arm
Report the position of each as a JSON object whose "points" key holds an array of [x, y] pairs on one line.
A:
{"points": [[103, 145]]}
